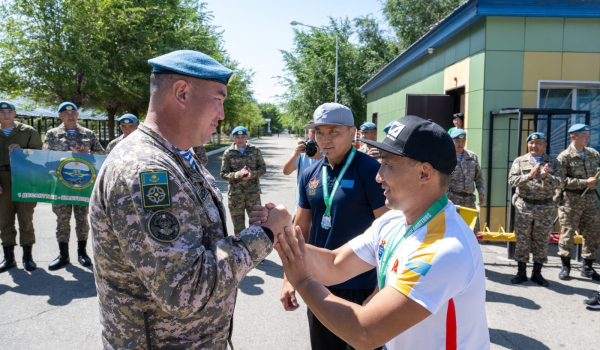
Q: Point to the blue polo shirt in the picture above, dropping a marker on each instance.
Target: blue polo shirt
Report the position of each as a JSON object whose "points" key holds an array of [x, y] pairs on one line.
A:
{"points": [[352, 208]]}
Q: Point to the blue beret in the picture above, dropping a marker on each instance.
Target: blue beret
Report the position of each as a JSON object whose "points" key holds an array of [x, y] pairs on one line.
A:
{"points": [[128, 118], [239, 130], [6, 105], [368, 126], [458, 134], [67, 106], [192, 63], [579, 127], [388, 126], [535, 136]]}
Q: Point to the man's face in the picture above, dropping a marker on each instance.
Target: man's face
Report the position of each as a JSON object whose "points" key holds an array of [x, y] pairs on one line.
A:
{"points": [[7, 116], [240, 140], [128, 128], [459, 144], [207, 108], [398, 179], [581, 138], [69, 118], [369, 134], [334, 140], [311, 134], [536, 147]]}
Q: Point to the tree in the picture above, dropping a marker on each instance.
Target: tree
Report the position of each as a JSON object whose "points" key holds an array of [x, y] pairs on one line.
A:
{"points": [[412, 19], [310, 67], [271, 111]]}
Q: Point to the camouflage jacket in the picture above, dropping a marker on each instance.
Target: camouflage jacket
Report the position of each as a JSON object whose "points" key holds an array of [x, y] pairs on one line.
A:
{"points": [[58, 139], [200, 153], [234, 161], [536, 188], [365, 148], [175, 265], [23, 135], [113, 143], [575, 170], [467, 175]]}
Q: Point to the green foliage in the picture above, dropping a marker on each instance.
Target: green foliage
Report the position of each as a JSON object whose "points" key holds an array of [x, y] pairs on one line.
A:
{"points": [[364, 48], [271, 111], [412, 19]]}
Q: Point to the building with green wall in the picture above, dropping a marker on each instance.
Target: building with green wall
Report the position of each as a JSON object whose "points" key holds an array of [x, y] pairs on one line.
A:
{"points": [[490, 55]]}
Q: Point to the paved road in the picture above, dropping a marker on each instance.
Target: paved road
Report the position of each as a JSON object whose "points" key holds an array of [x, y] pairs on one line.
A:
{"points": [[58, 310]]}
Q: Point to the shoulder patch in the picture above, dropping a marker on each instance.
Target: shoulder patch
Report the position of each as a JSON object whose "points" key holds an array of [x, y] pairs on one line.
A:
{"points": [[155, 189], [164, 226]]}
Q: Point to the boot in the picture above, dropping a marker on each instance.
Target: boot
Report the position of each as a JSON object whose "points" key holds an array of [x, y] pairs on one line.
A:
{"points": [[521, 274], [63, 258], [566, 268], [28, 262], [588, 270], [82, 256], [536, 275], [9, 258]]}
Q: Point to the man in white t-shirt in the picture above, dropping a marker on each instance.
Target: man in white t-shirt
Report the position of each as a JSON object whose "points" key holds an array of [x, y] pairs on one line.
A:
{"points": [[432, 291]]}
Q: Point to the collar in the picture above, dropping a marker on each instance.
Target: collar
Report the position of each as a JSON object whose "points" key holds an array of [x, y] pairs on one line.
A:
{"points": [[233, 146], [343, 162], [62, 126], [574, 152]]}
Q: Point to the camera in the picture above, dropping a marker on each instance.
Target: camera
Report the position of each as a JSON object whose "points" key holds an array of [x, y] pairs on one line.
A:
{"points": [[311, 148]]}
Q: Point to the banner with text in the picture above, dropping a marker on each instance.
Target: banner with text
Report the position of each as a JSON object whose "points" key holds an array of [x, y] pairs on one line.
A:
{"points": [[53, 177]]}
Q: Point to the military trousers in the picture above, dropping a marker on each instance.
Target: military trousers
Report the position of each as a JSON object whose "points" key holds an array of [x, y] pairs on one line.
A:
{"points": [[238, 203], [583, 215], [533, 223], [63, 222], [8, 210], [465, 200]]}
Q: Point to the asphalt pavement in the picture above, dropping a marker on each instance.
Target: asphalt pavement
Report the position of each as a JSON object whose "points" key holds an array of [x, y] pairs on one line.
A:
{"points": [[59, 309]]}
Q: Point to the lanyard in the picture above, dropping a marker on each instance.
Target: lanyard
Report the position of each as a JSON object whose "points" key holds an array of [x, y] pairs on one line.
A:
{"points": [[423, 220], [326, 196]]}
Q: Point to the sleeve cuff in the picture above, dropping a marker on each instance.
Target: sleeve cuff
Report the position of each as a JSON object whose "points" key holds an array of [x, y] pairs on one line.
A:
{"points": [[269, 233], [257, 241]]}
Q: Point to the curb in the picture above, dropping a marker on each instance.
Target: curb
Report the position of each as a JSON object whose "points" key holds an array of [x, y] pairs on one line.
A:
{"points": [[222, 149]]}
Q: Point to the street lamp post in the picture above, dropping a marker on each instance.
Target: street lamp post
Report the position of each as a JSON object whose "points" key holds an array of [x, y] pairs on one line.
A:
{"points": [[295, 23]]}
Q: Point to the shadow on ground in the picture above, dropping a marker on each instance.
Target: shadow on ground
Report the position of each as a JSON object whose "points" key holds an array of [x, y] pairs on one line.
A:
{"points": [[515, 341]]}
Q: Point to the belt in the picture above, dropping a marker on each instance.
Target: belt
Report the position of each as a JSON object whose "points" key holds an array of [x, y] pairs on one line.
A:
{"points": [[537, 201], [461, 193], [4, 167], [579, 192]]}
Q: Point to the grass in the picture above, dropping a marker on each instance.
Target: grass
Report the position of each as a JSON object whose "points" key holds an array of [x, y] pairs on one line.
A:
{"points": [[213, 146]]}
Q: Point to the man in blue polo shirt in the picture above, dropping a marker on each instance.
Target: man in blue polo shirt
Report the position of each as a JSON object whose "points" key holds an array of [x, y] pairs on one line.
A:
{"points": [[332, 215]]}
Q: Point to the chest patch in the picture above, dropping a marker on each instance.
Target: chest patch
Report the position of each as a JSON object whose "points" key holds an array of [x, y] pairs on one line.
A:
{"points": [[381, 249], [164, 226], [155, 189], [347, 184]]}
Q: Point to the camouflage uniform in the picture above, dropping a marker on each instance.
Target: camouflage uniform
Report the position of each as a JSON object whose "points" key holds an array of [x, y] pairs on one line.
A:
{"points": [[534, 206], [58, 139], [185, 288], [200, 153], [113, 143], [242, 194], [576, 212], [466, 176], [27, 138], [365, 148]]}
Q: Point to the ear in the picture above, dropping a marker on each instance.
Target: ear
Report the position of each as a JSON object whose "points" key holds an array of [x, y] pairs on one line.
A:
{"points": [[181, 92], [426, 173]]}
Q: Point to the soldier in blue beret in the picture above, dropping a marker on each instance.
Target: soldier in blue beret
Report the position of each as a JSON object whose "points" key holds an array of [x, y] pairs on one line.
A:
{"points": [[369, 132], [161, 247], [128, 123], [578, 209], [242, 166], [388, 126]]}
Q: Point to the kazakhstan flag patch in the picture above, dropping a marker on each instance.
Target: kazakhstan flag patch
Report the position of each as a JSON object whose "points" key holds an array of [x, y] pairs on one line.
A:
{"points": [[155, 189], [418, 266]]}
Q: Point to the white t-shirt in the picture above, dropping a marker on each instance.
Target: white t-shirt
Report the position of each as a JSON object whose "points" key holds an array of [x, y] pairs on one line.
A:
{"points": [[440, 267]]}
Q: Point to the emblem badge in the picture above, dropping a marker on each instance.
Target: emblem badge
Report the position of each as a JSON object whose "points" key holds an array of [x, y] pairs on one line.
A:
{"points": [[164, 226], [76, 173], [4, 105], [381, 249], [240, 132], [68, 108], [395, 267], [534, 137], [314, 183], [395, 130], [155, 189], [461, 136]]}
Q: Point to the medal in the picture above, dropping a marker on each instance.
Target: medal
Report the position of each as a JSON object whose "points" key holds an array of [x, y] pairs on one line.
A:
{"points": [[326, 222]]}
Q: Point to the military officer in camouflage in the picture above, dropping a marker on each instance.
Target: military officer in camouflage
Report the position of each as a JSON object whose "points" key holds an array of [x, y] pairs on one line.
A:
{"points": [[369, 132], [128, 123], [466, 177], [535, 176], [15, 135], [578, 166], [166, 270], [242, 166], [71, 137]]}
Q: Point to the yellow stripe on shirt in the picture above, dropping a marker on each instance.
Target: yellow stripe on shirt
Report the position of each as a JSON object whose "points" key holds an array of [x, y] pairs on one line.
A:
{"points": [[436, 229]]}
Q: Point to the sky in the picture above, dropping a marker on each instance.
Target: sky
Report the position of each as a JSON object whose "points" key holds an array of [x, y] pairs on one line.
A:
{"points": [[255, 31]]}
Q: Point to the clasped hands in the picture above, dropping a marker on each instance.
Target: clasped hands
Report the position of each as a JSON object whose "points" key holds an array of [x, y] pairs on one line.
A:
{"points": [[246, 174], [289, 243], [543, 174]]}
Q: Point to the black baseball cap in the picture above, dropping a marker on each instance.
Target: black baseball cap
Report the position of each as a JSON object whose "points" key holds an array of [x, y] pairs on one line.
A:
{"points": [[421, 140]]}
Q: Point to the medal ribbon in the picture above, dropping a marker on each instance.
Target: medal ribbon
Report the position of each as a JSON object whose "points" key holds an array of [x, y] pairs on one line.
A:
{"points": [[326, 196], [394, 243]]}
